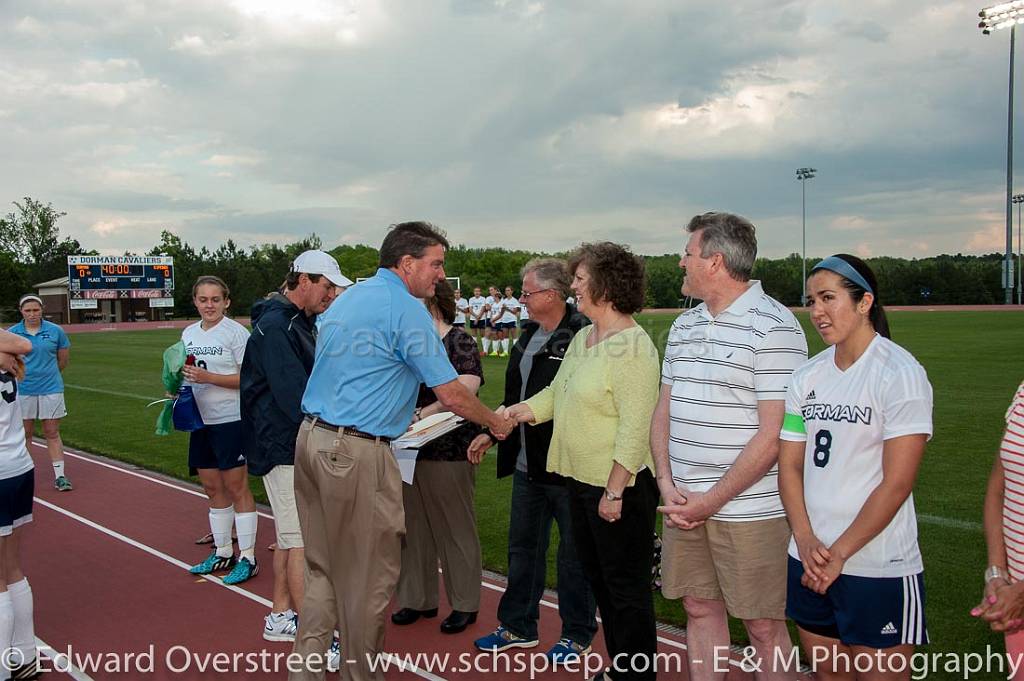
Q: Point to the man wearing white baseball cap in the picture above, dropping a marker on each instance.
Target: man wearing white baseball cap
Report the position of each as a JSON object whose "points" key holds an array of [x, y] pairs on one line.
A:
{"points": [[276, 366], [318, 262]]}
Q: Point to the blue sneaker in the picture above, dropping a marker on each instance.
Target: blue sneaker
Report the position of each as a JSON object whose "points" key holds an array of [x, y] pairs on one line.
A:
{"points": [[566, 650], [503, 639], [213, 563], [242, 571]]}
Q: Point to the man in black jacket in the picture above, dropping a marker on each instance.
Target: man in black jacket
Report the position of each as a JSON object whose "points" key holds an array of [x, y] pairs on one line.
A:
{"points": [[539, 497], [275, 369]]}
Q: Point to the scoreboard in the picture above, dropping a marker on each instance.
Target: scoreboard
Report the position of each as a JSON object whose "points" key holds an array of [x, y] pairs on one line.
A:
{"points": [[135, 274]]}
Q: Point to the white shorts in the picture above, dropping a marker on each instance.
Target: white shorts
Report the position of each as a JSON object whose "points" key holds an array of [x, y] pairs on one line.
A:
{"points": [[280, 486], [42, 406]]}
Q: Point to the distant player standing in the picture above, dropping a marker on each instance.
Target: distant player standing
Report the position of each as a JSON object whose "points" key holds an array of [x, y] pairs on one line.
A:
{"points": [[17, 636], [461, 310], [41, 394], [215, 450], [476, 315], [510, 319], [857, 418]]}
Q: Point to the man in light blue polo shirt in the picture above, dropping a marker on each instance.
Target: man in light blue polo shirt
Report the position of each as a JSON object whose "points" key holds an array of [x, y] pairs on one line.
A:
{"points": [[377, 343]]}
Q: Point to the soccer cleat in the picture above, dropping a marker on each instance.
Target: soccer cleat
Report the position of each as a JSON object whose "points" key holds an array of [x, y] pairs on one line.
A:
{"points": [[503, 354], [566, 650], [503, 639], [213, 563], [280, 626], [334, 656], [494, 354], [242, 571], [62, 484]]}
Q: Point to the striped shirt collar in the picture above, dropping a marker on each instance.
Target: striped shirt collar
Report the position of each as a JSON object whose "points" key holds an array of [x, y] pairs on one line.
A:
{"points": [[742, 305]]}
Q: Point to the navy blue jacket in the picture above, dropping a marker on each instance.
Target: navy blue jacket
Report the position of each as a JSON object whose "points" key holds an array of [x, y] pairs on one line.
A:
{"points": [[277, 363]]}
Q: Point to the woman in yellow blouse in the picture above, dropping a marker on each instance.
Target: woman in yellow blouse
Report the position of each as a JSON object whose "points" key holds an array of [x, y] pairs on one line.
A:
{"points": [[601, 401]]}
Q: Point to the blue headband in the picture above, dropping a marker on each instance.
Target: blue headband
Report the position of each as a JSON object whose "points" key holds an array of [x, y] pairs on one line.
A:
{"points": [[843, 269]]}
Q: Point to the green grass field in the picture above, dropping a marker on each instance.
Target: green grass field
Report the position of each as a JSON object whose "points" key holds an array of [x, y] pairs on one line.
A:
{"points": [[972, 360]]}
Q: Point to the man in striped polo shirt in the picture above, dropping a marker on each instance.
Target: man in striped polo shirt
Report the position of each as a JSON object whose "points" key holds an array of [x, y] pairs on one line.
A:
{"points": [[715, 440]]}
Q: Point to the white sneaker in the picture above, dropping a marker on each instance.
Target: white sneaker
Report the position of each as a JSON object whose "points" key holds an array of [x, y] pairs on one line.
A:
{"points": [[280, 626], [334, 656]]}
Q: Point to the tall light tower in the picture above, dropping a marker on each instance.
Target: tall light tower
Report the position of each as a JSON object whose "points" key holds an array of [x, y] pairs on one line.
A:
{"points": [[1018, 199], [1006, 15], [804, 174]]}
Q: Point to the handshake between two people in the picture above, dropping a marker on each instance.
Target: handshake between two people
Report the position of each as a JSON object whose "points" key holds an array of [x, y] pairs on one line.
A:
{"points": [[508, 418]]}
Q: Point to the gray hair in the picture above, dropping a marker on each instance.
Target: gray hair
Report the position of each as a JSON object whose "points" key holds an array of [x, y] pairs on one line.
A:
{"points": [[732, 236], [551, 273]]}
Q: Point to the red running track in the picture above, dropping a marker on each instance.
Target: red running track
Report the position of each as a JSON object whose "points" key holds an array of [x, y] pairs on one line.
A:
{"points": [[107, 563]]}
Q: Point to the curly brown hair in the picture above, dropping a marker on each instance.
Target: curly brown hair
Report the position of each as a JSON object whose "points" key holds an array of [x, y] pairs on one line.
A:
{"points": [[616, 274]]}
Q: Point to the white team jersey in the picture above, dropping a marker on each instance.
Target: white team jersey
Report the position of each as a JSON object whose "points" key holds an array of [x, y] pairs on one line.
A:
{"points": [[494, 314], [524, 312], [461, 304], [476, 307], [511, 306], [845, 417], [14, 457], [218, 350]]}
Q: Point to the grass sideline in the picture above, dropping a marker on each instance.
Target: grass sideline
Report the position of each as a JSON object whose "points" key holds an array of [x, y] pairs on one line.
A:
{"points": [[972, 359]]}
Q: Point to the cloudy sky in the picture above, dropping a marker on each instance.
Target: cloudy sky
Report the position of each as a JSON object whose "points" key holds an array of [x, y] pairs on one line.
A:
{"points": [[520, 123]]}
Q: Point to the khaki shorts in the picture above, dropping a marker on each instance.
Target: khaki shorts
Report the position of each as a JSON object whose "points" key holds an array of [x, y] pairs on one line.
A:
{"points": [[42, 406], [280, 486], [743, 564]]}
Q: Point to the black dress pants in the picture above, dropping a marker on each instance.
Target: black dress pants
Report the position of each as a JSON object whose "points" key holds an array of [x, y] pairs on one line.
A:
{"points": [[617, 559]]}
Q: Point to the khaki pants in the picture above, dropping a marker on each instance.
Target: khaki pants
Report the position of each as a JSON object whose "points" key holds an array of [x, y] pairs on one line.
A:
{"points": [[441, 523], [349, 498]]}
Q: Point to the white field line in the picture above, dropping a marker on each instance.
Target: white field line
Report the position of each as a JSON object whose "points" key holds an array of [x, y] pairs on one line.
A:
{"points": [[184, 566], [954, 523], [89, 389]]}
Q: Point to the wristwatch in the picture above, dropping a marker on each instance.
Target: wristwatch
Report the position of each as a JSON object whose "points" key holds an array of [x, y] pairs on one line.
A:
{"points": [[612, 496]]}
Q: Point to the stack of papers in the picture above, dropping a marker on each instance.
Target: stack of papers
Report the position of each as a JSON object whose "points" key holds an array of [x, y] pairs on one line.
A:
{"points": [[407, 447], [428, 429]]}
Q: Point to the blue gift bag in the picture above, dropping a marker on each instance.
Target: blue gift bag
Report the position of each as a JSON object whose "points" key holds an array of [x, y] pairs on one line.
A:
{"points": [[185, 413]]}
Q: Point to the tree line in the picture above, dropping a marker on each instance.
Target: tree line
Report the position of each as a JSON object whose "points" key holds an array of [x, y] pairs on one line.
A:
{"points": [[32, 251]]}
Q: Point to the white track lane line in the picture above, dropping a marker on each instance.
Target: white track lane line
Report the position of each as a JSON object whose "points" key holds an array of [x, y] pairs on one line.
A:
{"points": [[47, 651], [148, 478], [397, 660]]}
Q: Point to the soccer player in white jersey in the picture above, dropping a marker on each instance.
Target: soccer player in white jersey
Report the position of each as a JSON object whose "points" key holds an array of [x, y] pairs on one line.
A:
{"points": [[461, 310], [216, 345], [715, 441], [477, 315], [858, 416], [511, 318], [17, 476]]}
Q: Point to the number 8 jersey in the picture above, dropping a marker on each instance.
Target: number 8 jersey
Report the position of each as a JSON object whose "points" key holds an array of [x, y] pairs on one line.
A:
{"points": [[845, 418]]}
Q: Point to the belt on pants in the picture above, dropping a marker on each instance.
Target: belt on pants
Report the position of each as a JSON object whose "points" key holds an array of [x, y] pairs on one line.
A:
{"points": [[346, 430]]}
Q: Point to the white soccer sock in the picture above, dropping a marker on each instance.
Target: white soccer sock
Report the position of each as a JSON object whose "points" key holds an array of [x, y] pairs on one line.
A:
{"points": [[245, 526], [487, 344], [6, 627], [221, 520], [58, 469], [24, 638], [504, 345]]}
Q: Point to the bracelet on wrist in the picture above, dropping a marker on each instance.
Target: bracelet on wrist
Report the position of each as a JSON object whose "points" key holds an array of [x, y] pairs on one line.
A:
{"points": [[996, 572]]}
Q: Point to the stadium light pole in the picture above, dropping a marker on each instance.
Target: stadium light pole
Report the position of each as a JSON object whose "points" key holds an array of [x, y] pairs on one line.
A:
{"points": [[804, 174], [1018, 199], [1006, 15]]}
